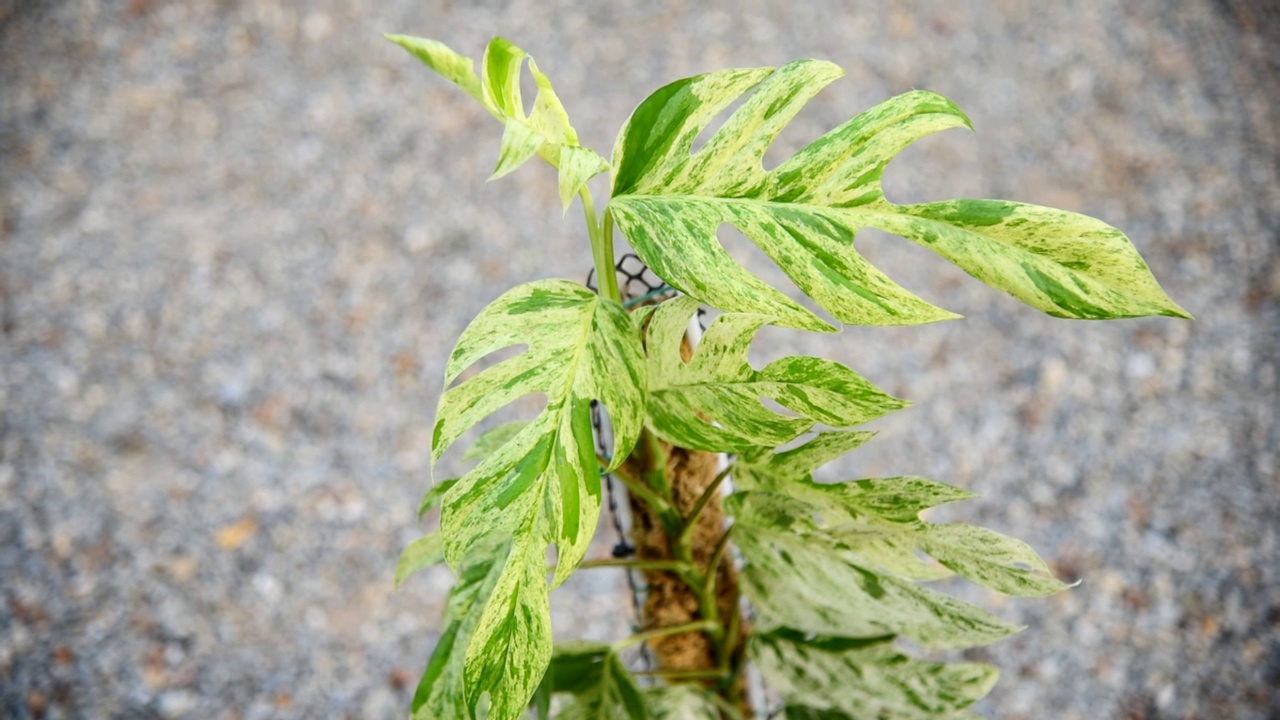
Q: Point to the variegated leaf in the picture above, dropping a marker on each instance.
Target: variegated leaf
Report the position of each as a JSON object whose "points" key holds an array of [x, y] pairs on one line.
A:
{"points": [[580, 347], [421, 554], [989, 559], [688, 702], [488, 442], [435, 495], [669, 203], [510, 645], [713, 402], [545, 131], [492, 440], [602, 686], [878, 520], [798, 576], [838, 678], [441, 693]]}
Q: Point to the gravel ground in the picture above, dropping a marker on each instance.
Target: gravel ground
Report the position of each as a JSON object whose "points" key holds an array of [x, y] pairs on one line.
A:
{"points": [[238, 239]]}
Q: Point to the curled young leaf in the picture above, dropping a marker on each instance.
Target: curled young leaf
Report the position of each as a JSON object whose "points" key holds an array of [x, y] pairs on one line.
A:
{"points": [[545, 131]]}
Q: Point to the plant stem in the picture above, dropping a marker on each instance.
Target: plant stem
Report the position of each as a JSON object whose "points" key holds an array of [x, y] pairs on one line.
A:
{"points": [[656, 478], [635, 564], [683, 674], [635, 486], [601, 235], [706, 626], [691, 521]]}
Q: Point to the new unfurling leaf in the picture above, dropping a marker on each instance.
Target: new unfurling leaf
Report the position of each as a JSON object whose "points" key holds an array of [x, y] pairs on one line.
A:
{"points": [[545, 131]]}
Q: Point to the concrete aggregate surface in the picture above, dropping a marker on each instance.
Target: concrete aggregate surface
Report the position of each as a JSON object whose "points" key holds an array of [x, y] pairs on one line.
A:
{"points": [[238, 239]]}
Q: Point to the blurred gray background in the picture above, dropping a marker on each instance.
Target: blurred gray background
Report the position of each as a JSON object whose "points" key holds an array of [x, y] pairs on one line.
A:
{"points": [[237, 240]]}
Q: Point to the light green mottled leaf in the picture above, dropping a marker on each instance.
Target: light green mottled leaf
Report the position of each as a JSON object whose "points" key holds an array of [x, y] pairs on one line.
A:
{"points": [[519, 143], [837, 678], [765, 465], [669, 203], [688, 702], [457, 69], [420, 554], [603, 687], [990, 559], [441, 693], [435, 495], [544, 131], [798, 576], [580, 347], [713, 402], [888, 547], [877, 519], [510, 645], [492, 440]]}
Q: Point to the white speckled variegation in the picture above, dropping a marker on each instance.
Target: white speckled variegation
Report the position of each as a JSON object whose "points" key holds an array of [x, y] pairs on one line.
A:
{"points": [[538, 483], [841, 678], [713, 402], [669, 202]]}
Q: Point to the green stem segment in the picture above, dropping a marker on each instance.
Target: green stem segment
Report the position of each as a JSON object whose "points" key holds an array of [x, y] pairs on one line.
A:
{"points": [[601, 234], [699, 626]]}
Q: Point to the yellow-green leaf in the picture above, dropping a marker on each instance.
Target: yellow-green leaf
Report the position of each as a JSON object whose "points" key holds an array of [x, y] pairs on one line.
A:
{"points": [[544, 131], [669, 203], [713, 402], [581, 347], [421, 554], [799, 576], [836, 678]]}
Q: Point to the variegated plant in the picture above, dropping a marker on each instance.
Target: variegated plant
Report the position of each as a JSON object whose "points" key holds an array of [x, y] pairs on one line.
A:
{"points": [[833, 573]]}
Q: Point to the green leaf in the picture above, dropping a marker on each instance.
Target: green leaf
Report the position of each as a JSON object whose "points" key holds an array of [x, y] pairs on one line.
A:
{"points": [[603, 686], [878, 520], [576, 666], [421, 553], [457, 69], [799, 576], [435, 495], [713, 402], [545, 131], [836, 678], [580, 347], [669, 203], [687, 702], [990, 559], [441, 693], [510, 646]]}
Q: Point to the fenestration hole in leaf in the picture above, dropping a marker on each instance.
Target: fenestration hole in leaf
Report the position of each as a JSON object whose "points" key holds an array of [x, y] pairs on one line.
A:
{"points": [[716, 123], [777, 408], [488, 361], [937, 167], [476, 443], [749, 255], [815, 119]]}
